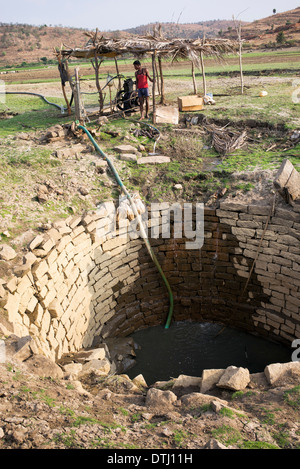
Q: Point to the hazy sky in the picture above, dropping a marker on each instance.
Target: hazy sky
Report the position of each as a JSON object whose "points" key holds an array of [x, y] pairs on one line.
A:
{"points": [[122, 14]]}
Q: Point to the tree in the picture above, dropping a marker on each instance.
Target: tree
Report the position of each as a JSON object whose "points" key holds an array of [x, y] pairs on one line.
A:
{"points": [[274, 11], [280, 38]]}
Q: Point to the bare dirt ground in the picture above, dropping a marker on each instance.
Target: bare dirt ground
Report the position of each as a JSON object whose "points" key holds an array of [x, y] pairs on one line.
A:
{"points": [[49, 413]]}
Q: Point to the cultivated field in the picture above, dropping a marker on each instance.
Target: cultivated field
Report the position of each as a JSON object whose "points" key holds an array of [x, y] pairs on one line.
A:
{"points": [[75, 183]]}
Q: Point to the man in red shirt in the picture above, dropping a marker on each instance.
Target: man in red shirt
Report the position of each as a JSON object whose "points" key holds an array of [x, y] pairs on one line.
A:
{"points": [[142, 86]]}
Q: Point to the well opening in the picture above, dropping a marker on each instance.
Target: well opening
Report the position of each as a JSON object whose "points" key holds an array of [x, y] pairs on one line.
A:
{"points": [[88, 285]]}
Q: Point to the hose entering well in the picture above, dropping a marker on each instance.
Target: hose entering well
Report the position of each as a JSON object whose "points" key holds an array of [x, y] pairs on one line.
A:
{"points": [[142, 230]]}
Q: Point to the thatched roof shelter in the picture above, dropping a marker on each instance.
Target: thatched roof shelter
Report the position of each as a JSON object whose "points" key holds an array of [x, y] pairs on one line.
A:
{"points": [[145, 45], [155, 45]]}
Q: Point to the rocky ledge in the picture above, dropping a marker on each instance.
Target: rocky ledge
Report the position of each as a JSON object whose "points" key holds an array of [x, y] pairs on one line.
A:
{"points": [[83, 403]]}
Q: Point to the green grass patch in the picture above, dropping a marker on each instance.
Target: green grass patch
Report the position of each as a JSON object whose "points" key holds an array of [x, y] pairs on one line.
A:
{"points": [[292, 397]]}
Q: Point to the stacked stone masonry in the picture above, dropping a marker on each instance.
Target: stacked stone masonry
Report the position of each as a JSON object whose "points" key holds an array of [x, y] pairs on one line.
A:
{"points": [[83, 281]]}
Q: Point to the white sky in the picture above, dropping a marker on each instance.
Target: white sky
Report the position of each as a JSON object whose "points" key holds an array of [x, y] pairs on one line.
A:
{"points": [[123, 14]]}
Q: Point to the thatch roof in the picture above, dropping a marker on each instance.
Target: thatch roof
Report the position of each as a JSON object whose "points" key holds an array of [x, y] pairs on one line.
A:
{"points": [[143, 45]]}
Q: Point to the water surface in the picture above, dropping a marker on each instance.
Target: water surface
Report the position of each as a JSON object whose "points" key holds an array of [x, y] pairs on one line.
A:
{"points": [[190, 347]]}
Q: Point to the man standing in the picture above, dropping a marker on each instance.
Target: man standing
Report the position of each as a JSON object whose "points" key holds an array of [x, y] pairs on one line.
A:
{"points": [[142, 86]]}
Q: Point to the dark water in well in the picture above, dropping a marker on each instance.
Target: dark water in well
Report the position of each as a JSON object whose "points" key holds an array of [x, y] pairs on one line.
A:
{"points": [[190, 347]]}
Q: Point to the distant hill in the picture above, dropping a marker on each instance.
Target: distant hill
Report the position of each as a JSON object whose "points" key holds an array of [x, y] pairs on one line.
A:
{"points": [[212, 28], [266, 30], [25, 43]]}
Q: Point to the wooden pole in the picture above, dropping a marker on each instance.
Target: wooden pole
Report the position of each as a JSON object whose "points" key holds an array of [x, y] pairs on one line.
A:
{"points": [[157, 74], [118, 73], [63, 85], [153, 87], [203, 72], [76, 92], [96, 66], [194, 79], [238, 28], [162, 82], [240, 57]]}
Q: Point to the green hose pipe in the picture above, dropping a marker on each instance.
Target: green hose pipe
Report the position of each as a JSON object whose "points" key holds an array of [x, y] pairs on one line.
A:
{"points": [[143, 233]]}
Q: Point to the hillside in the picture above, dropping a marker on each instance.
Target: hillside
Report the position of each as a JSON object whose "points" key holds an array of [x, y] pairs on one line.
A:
{"points": [[265, 30], [25, 43], [187, 30]]}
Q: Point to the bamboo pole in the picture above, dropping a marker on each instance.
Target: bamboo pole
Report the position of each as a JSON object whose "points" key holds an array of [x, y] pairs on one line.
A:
{"points": [[153, 87]]}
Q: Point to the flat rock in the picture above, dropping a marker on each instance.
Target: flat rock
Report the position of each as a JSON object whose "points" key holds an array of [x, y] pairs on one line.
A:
{"points": [[128, 157], [125, 149], [187, 381], [210, 379], [153, 159], [167, 115]]}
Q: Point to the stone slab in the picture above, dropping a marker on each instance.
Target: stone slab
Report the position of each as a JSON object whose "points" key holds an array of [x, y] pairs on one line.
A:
{"points": [[159, 159]]}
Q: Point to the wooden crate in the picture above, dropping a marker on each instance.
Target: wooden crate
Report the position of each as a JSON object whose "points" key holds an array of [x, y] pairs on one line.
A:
{"points": [[190, 103]]}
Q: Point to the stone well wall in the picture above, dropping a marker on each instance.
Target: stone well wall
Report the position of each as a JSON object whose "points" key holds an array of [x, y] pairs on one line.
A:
{"points": [[79, 283]]}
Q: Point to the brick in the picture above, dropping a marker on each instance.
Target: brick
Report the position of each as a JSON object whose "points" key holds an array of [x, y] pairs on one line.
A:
{"points": [[259, 209], [289, 240], [38, 270], [225, 214], [236, 207], [247, 232], [36, 242]]}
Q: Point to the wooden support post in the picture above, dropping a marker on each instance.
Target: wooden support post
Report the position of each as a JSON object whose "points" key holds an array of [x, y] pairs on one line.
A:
{"points": [[238, 28], [194, 79], [153, 87], [76, 92], [96, 66], [203, 72], [118, 73], [63, 84], [240, 57], [162, 83], [157, 74]]}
